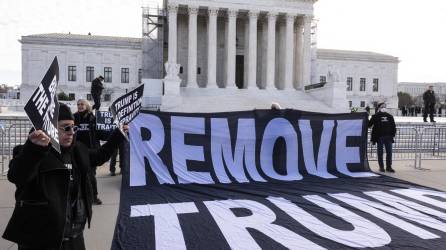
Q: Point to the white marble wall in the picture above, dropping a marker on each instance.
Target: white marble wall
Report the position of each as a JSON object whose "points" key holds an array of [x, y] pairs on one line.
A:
{"points": [[36, 58], [386, 72]]}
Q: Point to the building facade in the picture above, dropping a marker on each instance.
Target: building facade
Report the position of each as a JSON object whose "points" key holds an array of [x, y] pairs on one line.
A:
{"points": [[214, 48], [240, 44], [370, 77], [81, 59]]}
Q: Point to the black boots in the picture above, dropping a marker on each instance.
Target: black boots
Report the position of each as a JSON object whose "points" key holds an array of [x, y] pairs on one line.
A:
{"points": [[388, 169]]}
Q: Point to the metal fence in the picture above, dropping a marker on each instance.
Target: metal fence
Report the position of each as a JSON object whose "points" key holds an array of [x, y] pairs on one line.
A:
{"points": [[13, 131], [415, 142]]}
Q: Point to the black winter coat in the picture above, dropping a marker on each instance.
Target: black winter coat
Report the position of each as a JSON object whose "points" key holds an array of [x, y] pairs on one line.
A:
{"points": [[382, 124], [42, 179], [87, 133], [96, 87], [429, 97]]}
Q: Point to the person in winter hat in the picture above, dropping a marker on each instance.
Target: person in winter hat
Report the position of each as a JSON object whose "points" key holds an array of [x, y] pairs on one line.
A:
{"points": [[383, 133], [53, 192]]}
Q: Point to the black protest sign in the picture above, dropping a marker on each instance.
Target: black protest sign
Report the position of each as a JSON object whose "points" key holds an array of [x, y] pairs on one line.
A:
{"points": [[104, 121], [266, 179], [43, 107], [127, 107]]}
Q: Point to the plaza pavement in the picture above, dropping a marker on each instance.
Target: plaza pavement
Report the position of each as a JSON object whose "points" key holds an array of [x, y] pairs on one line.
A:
{"points": [[100, 235]]}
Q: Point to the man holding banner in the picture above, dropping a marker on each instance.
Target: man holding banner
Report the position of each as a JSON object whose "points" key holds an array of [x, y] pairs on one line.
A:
{"points": [[54, 196]]}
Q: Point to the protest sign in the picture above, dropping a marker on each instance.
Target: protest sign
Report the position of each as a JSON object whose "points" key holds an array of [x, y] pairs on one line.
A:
{"points": [[104, 121], [263, 179], [127, 107], [43, 107]]}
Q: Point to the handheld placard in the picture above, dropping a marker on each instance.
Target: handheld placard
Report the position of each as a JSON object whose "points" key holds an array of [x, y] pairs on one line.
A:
{"points": [[127, 107], [43, 108]]}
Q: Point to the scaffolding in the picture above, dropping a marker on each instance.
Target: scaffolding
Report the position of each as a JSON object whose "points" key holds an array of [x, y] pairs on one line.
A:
{"points": [[153, 25]]}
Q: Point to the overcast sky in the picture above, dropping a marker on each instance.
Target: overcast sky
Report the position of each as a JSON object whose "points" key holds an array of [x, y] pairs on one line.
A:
{"points": [[408, 29]]}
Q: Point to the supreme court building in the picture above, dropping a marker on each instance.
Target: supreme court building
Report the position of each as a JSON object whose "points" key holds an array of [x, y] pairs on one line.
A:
{"points": [[270, 45], [220, 55]]}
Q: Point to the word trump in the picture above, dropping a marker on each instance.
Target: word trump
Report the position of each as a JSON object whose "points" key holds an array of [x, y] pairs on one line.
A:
{"points": [[367, 219]]}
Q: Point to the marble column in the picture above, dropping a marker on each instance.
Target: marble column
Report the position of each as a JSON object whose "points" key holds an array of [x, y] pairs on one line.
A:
{"points": [[306, 51], [172, 18], [252, 60], [298, 54], [171, 66], [271, 51], [231, 48], [289, 52], [192, 48], [212, 48]]}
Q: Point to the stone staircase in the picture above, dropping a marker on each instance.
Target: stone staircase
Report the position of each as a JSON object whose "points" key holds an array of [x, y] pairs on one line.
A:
{"points": [[205, 100]]}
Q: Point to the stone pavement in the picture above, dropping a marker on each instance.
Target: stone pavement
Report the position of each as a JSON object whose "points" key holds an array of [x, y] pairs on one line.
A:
{"points": [[100, 235]]}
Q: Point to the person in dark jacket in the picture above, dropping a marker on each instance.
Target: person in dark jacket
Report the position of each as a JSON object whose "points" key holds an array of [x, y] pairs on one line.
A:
{"points": [[96, 91], [53, 192], [429, 104], [87, 134], [383, 133]]}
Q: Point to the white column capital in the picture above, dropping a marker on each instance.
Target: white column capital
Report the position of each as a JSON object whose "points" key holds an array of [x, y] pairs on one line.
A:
{"points": [[232, 13], [213, 11], [253, 14], [172, 8], [308, 18], [192, 10], [272, 15], [290, 17]]}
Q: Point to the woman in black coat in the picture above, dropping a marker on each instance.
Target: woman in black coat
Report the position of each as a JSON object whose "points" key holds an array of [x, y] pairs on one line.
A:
{"points": [[53, 195], [85, 120]]}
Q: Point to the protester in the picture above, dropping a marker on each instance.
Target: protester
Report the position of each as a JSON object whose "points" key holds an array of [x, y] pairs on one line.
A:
{"points": [[383, 133], [112, 165], [123, 151], [367, 109], [429, 104], [85, 120], [96, 91], [53, 195]]}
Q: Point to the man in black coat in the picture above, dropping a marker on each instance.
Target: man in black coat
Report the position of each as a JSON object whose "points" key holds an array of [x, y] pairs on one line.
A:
{"points": [[53, 191], [96, 91], [429, 104], [383, 133]]}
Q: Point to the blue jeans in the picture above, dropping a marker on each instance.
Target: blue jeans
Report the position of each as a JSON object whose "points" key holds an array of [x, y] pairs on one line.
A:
{"points": [[385, 141]]}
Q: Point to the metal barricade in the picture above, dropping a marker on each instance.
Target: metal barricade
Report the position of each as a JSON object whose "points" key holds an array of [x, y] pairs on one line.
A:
{"points": [[13, 131], [404, 147], [2, 149], [415, 143], [432, 144]]}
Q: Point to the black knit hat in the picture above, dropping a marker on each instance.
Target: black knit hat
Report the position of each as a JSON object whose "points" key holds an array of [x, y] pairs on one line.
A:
{"points": [[380, 105], [65, 112]]}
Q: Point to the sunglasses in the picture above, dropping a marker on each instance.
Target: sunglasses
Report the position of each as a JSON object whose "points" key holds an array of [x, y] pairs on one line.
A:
{"points": [[69, 128]]}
